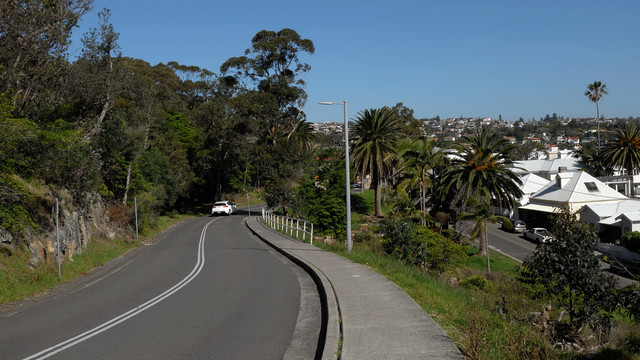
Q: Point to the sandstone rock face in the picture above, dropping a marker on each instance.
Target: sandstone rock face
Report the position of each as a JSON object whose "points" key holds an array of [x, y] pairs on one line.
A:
{"points": [[5, 237], [76, 227]]}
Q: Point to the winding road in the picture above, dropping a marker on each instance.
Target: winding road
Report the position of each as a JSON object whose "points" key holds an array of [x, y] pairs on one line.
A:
{"points": [[204, 289]]}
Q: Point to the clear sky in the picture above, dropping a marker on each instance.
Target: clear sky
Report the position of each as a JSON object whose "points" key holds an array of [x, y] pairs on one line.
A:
{"points": [[449, 58]]}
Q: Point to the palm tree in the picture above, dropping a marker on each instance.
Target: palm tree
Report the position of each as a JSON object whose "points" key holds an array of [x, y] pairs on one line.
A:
{"points": [[480, 216], [418, 158], [591, 158], [373, 149], [483, 171], [594, 92], [301, 132], [623, 150]]}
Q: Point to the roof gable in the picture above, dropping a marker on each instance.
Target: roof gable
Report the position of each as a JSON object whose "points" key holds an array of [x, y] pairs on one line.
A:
{"points": [[532, 183], [576, 187]]}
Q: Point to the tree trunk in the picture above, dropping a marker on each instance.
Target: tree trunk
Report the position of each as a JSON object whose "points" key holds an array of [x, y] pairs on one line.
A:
{"points": [[632, 187], [482, 245], [127, 183], [486, 247], [378, 206]]}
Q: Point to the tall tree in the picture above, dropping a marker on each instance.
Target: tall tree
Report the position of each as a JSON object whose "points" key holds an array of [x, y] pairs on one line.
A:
{"points": [[376, 133], [97, 78], [411, 126], [483, 170], [272, 100], [623, 150], [418, 158], [272, 64], [594, 92], [34, 37], [481, 215], [592, 159]]}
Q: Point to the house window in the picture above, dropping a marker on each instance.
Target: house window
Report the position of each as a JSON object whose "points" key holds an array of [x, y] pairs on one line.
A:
{"points": [[591, 186]]}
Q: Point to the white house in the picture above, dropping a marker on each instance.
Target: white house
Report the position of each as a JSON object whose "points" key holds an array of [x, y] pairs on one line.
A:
{"points": [[546, 168], [606, 217], [531, 183], [630, 221], [573, 190]]}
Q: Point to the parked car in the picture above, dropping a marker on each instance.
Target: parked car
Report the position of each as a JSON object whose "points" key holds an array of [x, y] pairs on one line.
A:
{"points": [[518, 226], [539, 235], [223, 207]]}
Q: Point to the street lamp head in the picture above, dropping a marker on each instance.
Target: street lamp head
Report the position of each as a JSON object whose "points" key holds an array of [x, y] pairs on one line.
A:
{"points": [[332, 103]]}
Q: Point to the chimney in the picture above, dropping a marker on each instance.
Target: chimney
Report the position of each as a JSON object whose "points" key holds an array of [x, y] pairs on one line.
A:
{"points": [[562, 179]]}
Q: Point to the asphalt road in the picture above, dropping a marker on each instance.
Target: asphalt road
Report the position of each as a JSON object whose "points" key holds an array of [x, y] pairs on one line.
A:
{"points": [[205, 289], [516, 246], [512, 244]]}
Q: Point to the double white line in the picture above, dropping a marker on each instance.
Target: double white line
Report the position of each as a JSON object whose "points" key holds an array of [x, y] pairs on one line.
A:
{"points": [[131, 313]]}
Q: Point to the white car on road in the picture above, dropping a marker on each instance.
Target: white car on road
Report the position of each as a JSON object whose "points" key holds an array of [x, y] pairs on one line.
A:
{"points": [[539, 235], [223, 207]]}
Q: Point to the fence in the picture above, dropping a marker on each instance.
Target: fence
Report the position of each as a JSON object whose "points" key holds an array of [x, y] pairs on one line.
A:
{"points": [[297, 228]]}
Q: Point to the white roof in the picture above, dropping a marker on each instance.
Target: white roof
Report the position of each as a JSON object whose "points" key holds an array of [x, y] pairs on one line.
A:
{"points": [[611, 220], [546, 166], [550, 208], [578, 189], [632, 216], [532, 183], [614, 208]]}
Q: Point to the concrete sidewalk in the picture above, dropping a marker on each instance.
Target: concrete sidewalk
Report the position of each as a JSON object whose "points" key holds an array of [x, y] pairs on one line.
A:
{"points": [[367, 314]]}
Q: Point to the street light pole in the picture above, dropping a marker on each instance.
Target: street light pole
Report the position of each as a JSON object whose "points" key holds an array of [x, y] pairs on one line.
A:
{"points": [[346, 164]]}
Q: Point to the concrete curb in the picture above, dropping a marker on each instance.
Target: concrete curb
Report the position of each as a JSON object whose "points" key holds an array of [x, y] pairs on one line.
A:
{"points": [[368, 316], [330, 334]]}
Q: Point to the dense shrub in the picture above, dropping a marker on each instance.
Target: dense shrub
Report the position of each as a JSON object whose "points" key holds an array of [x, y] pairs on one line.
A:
{"points": [[320, 196], [477, 281], [631, 240], [441, 253], [420, 246], [399, 241], [507, 225]]}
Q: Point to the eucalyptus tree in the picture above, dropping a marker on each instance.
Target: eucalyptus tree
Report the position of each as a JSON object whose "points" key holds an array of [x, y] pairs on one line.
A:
{"points": [[269, 74], [98, 77], [273, 66], [34, 38], [483, 170], [623, 150], [375, 136], [411, 127], [594, 93]]}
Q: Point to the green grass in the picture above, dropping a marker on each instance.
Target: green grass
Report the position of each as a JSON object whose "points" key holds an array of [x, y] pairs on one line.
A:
{"points": [[497, 261], [468, 315]]}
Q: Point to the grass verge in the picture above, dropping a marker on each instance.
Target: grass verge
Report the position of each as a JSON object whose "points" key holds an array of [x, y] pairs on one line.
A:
{"points": [[468, 315]]}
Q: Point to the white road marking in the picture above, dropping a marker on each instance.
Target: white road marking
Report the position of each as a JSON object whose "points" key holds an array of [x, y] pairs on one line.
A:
{"points": [[131, 313]]}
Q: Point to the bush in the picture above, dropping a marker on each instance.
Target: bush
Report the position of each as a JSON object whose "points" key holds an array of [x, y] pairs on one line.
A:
{"points": [[441, 253], [420, 246], [631, 240], [507, 225], [365, 236], [478, 282], [400, 241]]}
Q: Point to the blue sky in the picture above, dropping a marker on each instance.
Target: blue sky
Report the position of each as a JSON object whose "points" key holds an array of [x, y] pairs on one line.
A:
{"points": [[449, 58]]}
